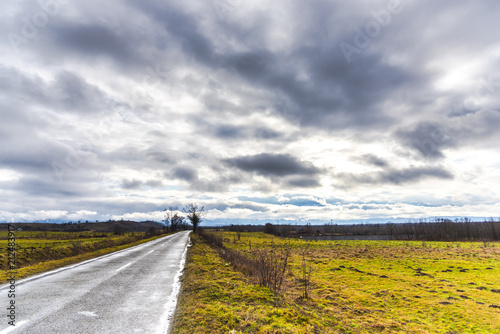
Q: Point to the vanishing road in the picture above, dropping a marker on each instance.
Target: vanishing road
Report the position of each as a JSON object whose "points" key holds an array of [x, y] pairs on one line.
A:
{"points": [[130, 291]]}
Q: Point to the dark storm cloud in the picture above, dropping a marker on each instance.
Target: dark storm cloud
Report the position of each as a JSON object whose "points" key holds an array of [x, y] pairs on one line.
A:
{"points": [[336, 95], [243, 132], [185, 174], [95, 41], [229, 132], [229, 76], [427, 139], [394, 176], [180, 25], [273, 165], [92, 39]]}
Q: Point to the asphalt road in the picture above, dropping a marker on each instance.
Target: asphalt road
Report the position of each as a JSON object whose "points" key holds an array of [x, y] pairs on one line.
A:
{"points": [[130, 291]]}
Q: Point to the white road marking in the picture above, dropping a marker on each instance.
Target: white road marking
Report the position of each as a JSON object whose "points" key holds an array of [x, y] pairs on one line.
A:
{"points": [[151, 252], [11, 328], [125, 266]]}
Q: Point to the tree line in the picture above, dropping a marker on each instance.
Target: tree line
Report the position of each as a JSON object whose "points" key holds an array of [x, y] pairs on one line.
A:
{"points": [[439, 229]]}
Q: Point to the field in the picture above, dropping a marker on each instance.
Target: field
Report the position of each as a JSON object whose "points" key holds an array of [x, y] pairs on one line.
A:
{"points": [[36, 252], [355, 287]]}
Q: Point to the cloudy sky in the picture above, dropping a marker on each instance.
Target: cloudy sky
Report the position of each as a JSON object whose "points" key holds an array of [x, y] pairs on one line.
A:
{"points": [[283, 110]]}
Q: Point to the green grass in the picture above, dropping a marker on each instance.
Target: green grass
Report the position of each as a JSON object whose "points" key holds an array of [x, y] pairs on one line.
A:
{"points": [[356, 287], [37, 252]]}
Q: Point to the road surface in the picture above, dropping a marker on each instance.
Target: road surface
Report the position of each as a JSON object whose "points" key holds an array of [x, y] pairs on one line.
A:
{"points": [[130, 291]]}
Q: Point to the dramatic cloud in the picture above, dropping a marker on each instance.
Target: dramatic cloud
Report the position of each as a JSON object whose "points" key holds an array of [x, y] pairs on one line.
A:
{"points": [[273, 165], [427, 139], [288, 110]]}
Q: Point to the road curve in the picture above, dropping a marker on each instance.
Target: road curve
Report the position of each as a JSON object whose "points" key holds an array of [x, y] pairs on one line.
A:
{"points": [[129, 291]]}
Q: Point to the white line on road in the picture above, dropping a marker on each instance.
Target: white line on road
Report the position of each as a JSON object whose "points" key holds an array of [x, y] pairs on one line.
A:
{"points": [[11, 328], [125, 266], [151, 252]]}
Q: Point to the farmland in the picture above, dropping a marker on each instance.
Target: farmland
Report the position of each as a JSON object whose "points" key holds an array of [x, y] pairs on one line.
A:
{"points": [[354, 287], [39, 251]]}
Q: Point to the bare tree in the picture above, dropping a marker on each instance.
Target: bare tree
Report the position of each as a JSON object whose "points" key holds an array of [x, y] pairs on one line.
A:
{"points": [[177, 222], [174, 220], [195, 214]]}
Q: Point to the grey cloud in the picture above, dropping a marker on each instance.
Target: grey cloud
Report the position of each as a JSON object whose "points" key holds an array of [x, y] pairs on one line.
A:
{"points": [[134, 184], [154, 183], [336, 95], [273, 165], [131, 184], [185, 173], [304, 183], [33, 152], [68, 92], [372, 159], [15, 83], [74, 93], [427, 139], [216, 186], [245, 132], [243, 66], [36, 186], [394, 176], [229, 132], [266, 133], [92, 39], [159, 156]]}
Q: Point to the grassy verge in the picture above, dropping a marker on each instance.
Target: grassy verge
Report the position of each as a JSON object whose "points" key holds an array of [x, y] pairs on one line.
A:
{"points": [[355, 287], [35, 255], [217, 299]]}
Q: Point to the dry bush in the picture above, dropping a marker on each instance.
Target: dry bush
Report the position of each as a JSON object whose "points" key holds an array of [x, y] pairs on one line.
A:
{"points": [[268, 264], [271, 264]]}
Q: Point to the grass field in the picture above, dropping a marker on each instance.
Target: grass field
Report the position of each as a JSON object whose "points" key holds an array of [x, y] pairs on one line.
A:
{"points": [[36, 252], [356, 287]]}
